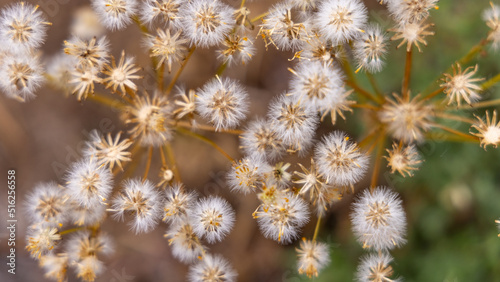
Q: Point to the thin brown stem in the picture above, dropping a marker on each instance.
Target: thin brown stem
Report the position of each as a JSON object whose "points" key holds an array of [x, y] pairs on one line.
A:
{"points": [[456, 132], [71, 230], [206, 140], [433, 94], [221, 69], [407, 75], [148, 163], [162, 155], [363, 92], [454, 117], [365, 106], [104, 100], [179, 71], [378, 162], [490, 82], [171, 160], [374, 84], [484, 104], [259, 17], [316, 229]]}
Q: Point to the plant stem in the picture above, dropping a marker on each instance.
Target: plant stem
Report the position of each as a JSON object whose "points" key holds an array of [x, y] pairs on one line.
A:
{"points": [[407, 75], [456, 132], [179, 71], [148, 163], [206, 140], [71, 230], [484, 104], [374, 84], [490, 82], [362, 91], [316, 229], [110, 102], [454, 117], [433, 94], [221, 69], [378, 162], [171, 160], [259, 17], [365, 106]]}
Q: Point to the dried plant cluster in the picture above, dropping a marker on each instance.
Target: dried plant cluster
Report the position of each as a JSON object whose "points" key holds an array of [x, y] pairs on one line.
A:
{"points": [[324, 39]]}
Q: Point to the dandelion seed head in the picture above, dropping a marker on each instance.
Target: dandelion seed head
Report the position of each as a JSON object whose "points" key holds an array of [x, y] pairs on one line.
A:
{"points": [[41, 240], [22, 76], [212, 218], [115, 14], [165, 12], [260, 140], [403, 159], [48, 204], [178, 203], [212, 268], [375, 268], [184, 243], [370, 48], [410, 11], [312, 257], [222, 101], [378, 219], [167, 47]]}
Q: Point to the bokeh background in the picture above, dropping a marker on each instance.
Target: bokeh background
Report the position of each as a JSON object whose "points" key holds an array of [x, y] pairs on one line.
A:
{"points": [[451, 203]]}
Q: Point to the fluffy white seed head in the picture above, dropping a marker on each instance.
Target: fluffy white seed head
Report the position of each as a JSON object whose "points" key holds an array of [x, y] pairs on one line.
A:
{"points": [[89, 183], [492, 18], [212, 268], [178, 203], [340, 160], [245, 175], [262, 141], [312, 257], [375, 268], [294, 123], [236, 49], [403, 159], [206, 22], [340, 20], [139, 199], [83, 244], [378, 219], [55, 266], [150, 118], [115, 14], [22, 27], [212, 219], [488, 130], [410, 11], [82, 216], [184, 243], [280, 28], [407, 119], [222, 101], [316, 84], [48, 204], [90, 53], [22, 76], [41, 240], [282, 220], [370, 48], [412, 34], [108, 151], [163, 12], [461, 85], [167, 46]]}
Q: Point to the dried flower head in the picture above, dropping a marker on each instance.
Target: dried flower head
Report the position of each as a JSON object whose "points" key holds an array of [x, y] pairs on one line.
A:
{"points": [[165, 12], [22, 27], [90, 53], [115, 14], [236, 49], [283, 220], [406, 119], [166, 47], [340, 160], [312, 257], [41, 240], [206, 22], [245, 175], [338, 106], [108, 151], [212, 219], [461, 85], [403, 159], [150, 117], [187, 103], [212, 268], [21, 76], [311, 180], [340, 20], [261, 141], [48, 205], [378, 219], [186, 246], [55, 266], [412, 34], [410, 11], [140, 200], [178, 203], [121, 76], [316, 84], [83, 79], [375, 268], [89, 183], [294, 123], [224, 102], [492, 18], [488, 130], [280, 29], [370, 48]]}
